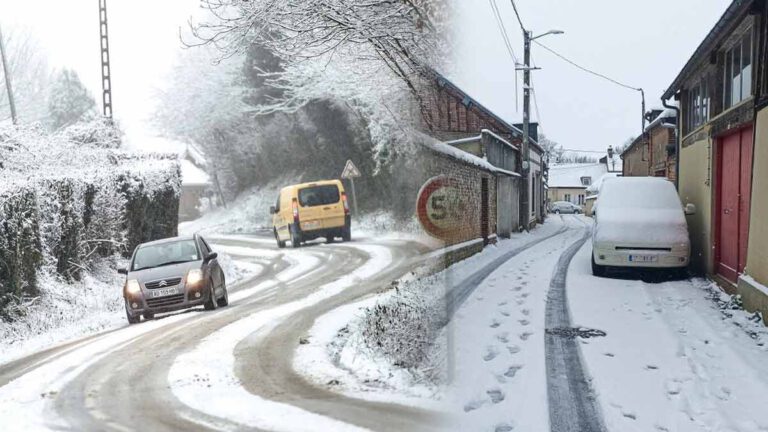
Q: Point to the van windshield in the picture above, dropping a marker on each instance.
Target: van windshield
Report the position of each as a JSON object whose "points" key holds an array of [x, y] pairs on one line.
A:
{"points": [[318, 195]]}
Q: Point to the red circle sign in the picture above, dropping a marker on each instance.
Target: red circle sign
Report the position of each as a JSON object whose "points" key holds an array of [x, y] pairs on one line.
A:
{"points": [[440, 207]]}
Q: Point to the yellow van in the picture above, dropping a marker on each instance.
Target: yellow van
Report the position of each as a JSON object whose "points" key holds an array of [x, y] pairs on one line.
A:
{"points": [[307, 211]]}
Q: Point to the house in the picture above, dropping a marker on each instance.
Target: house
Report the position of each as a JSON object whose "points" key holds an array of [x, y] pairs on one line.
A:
{"points": [[653, 154], [195, 184], [579, 183], [456, 118], [722, 92]]}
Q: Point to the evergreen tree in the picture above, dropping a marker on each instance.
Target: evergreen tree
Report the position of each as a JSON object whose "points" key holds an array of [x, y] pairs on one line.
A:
{"points": [[69, 101]]}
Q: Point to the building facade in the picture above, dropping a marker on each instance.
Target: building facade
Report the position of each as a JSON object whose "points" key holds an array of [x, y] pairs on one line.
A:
{"points": [[654, 153], [723, 150], [454, 117]]}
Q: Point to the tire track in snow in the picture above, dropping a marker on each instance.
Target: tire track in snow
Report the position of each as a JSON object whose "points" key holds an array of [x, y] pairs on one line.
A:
{"points": [[572, 402]]}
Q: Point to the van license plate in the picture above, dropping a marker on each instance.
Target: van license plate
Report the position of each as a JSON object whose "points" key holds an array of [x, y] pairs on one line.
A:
{"points": [[643, 258], [310, 225], [162, 292]]}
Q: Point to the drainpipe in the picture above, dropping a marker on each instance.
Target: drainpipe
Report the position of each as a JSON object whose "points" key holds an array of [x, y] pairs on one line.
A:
{"points": [[678, 137]]}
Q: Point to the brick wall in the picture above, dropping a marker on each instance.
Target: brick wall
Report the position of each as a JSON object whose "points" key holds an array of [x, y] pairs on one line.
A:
{"points": [[468, 178]]}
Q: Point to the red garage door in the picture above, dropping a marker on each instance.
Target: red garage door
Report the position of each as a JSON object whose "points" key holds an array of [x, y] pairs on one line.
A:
{"points": [[732, 211]]}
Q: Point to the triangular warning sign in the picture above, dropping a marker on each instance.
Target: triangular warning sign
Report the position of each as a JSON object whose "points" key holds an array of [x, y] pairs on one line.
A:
{"points": [[350, 171]]}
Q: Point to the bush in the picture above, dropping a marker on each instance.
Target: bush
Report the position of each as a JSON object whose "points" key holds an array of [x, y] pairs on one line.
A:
{"points": [[61, 210]]}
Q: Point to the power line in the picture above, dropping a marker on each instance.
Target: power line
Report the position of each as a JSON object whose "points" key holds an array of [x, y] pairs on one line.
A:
{"points": [[502, 29], [517, 14], [597, 74], [507, 43]]}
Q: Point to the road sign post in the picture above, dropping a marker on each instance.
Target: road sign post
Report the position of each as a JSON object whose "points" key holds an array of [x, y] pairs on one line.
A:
{"points": [[351, 172]]}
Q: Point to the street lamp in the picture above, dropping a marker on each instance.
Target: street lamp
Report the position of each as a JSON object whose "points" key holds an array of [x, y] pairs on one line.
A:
{"points": [[526, 204], [551, 32]]}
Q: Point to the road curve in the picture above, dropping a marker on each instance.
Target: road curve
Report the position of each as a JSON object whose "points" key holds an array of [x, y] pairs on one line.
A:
{"points": [[119, 380]]}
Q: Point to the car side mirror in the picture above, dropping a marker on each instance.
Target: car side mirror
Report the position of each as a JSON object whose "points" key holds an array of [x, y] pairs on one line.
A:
{"points": [[690, 209], [272, 210], [211, 256], [122, 271]]}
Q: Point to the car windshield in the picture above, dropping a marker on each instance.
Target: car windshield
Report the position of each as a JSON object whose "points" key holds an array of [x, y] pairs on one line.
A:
{"points": [[164, 254], [318, 195]]}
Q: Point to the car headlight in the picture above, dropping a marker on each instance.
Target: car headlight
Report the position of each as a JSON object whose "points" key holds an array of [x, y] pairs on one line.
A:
{"points": [[132, 287], [194, 276]]}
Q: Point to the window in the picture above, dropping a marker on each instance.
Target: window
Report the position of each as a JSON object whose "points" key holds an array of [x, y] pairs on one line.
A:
{"points": [[581, 199], [737, 71], [698, 105], [318, 195], [586, 181], [567, 197]]}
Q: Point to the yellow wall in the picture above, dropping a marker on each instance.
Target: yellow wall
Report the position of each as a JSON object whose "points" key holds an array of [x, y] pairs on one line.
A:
{"points": [[558, 194], [757, 257], [696, 188]]}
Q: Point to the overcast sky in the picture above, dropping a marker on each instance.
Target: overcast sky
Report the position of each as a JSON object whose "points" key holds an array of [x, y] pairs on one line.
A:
{"points": [[642, 43]]}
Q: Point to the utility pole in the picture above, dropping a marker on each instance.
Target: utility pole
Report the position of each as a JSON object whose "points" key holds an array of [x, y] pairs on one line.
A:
{"points": [[526, 215], [7, 73], [106, 76]]}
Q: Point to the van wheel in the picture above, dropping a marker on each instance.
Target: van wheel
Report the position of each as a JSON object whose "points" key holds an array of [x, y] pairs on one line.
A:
{"points": [[280, 244], [346, 234], [212, 303], [329, 239], [295, 240], [131, 319], [597, 270]]}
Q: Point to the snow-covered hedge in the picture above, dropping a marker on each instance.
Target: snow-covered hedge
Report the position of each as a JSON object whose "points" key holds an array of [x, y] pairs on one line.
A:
{"points": [[63, 205]]}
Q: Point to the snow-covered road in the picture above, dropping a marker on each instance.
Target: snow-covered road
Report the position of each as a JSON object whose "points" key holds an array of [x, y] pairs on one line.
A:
{"points": [[229, 369]]}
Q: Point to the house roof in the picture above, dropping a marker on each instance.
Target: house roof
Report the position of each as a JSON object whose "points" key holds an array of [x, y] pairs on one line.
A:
{"points": [[191, 175], [569, 175], [514, 130], [668, 116], [730, 19]]}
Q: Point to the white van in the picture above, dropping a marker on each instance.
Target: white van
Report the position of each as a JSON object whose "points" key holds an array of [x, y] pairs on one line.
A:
{"points": [[639, 223]]}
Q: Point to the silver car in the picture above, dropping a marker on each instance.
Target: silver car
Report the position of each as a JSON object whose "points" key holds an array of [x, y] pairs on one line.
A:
{"points": [[558, 207], [172, 274]]}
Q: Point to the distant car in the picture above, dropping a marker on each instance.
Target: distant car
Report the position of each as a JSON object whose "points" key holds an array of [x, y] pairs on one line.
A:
{"points": [[173, 274], [308, 211], [564, 207], [640, 223]]}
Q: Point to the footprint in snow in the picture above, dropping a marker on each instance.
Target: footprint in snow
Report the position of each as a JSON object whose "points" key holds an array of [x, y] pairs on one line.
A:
{"points": [[512, 371], [629, 415], [524, 283], [524, 322], [609, 354], [526, 312], [504, 427], [490, 353], [520, 302], [525, 336], [472, 405], [673, 387], [504, 303], [495, 324], [504, 313], [517, 288], [651, 367], [496, 395], [525, 295], [513, 349], [503, 337]]}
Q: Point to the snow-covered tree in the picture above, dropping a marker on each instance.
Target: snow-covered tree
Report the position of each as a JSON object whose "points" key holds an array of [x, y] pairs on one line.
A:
{"points": [[30, 75], [69, 100]]}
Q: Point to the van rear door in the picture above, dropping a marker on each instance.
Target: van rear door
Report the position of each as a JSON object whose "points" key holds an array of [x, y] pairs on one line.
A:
{"points": [[320, 206]]}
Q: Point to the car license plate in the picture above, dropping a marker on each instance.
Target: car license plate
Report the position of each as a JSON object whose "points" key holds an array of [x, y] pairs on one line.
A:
{"points": [[162, 292], [643, 258]]}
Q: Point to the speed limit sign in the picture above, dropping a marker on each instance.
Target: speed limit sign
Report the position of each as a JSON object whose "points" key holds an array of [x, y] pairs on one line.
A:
{"points": [[440, 207]]}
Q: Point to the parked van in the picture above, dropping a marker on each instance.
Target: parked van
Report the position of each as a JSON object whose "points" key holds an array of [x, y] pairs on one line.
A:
{"points": [[308, 211]]}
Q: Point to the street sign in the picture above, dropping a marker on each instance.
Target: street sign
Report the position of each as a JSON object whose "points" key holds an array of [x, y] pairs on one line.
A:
{"points": [[350, 171], [440, 207]]}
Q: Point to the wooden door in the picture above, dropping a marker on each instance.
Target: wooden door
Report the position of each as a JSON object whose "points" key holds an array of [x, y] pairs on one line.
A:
{"points": [[732, 211]]}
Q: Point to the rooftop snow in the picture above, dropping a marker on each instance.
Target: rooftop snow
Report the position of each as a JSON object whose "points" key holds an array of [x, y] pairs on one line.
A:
{"points": [[192, 175], [569, 175]]}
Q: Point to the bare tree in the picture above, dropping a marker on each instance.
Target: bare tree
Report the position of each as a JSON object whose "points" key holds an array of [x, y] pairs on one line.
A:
{"points": [[401, 35], [31, 74]]}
